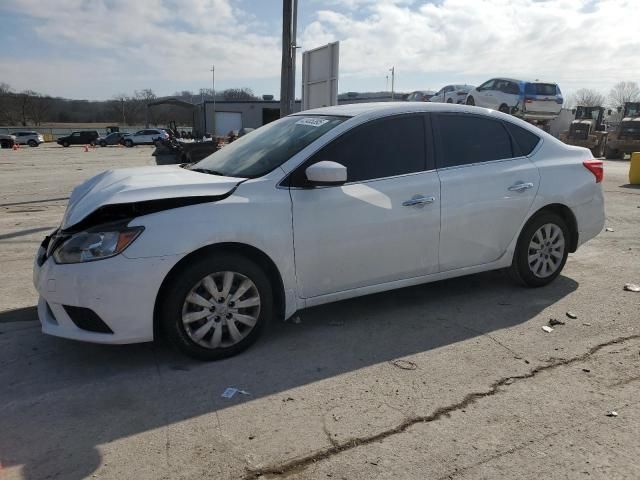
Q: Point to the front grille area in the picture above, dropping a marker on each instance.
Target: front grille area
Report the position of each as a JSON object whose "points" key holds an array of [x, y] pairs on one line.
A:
{"points": [[580, 132], [87, 319]]}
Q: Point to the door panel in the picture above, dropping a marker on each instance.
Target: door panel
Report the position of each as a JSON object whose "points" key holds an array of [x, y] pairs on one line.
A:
{"points": [[360, 234], [480, 215]]}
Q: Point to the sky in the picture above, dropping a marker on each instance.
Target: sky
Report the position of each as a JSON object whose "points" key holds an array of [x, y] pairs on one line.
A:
{"points": [[95, 49]]}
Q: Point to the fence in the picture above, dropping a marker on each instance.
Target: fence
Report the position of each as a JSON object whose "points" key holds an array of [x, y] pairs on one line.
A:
{"points": [[51, 134]]}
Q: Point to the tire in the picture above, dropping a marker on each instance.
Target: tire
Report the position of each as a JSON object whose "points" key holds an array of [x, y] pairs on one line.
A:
{"points": [[188, 336], [542, 269], [503, 108], [470, 101], [103, 144], [611, 153], [449, 100], [128, 143], [92, 143], [32, 143], [65, 144]]}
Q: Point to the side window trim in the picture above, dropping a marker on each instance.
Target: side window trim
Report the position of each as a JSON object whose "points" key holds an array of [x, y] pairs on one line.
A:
{"points": [[428, 162], [439, 149]]}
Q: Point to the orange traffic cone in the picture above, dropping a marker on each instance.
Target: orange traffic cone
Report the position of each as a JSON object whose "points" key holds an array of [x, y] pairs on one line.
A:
{"points": [[86, 148]]}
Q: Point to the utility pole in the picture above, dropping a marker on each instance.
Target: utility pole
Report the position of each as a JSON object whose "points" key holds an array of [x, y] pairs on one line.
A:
{"points": [[288, 72], [213, 91], [393, 76]]}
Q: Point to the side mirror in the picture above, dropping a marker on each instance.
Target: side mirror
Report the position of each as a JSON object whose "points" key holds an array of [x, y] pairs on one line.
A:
{"points": [[326, 173]]}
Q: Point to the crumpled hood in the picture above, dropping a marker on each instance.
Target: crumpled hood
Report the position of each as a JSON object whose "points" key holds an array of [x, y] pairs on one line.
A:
{"points": [[131, 185]]}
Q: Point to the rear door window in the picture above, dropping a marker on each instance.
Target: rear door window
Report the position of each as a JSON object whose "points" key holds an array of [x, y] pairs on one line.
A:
{"points": [[525, 141], [378, 149], [464, 139]]}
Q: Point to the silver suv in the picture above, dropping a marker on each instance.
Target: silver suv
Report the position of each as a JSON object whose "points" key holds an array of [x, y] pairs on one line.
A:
{"points": [[31, 138]]}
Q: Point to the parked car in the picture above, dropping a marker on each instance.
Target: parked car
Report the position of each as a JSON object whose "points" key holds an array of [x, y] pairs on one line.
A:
{"points": [[114, 138], [31, 138], [452, 94], [148, 136], [7, 141], [83, 137], [313, 208], [420, 96], [528, 100]]}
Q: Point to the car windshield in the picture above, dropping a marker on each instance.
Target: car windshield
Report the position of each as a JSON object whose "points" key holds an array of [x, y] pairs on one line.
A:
{"points": [[267, 147]]}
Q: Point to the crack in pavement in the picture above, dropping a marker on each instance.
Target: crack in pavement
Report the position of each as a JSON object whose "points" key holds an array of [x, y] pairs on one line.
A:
{"points": [[301, 463]]}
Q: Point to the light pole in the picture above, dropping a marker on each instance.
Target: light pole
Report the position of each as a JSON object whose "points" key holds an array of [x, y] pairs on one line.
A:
{"points": [[393, 76], [213, 91]]}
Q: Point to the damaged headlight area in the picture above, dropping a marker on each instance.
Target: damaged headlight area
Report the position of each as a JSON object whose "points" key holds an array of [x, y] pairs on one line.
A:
{"points": [[94, 245]]}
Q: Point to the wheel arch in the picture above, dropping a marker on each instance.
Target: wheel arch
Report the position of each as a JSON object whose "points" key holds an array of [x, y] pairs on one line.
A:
{"points": [[250, 252], [567, 215]]}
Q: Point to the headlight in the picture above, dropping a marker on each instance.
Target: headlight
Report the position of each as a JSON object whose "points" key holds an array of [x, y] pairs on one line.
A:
{"points": [[90, 246]]}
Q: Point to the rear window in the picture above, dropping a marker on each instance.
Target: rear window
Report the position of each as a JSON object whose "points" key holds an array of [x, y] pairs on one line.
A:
{"points": [[524, 139], [547, 89]]}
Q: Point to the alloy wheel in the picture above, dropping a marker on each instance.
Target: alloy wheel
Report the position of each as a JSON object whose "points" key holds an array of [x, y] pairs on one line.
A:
{"points": [[546, 250], [221, 310]]}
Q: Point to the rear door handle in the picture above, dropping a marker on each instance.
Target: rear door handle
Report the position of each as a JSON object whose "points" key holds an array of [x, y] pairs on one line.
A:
{"points": [[418, 201], [520, 187]]}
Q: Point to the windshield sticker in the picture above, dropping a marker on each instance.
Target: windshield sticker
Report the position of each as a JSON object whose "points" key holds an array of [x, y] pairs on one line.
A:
{"points": [[312, 122]]}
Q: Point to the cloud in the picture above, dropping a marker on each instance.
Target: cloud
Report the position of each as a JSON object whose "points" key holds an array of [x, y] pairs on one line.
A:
{"points": [[154, 40], [576, 43]]}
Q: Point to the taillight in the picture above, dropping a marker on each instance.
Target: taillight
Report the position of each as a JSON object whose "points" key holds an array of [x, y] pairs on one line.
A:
{"points": [[596, 167]]}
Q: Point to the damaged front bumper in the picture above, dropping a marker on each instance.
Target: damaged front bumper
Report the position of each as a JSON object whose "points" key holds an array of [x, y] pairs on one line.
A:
{"points": [[106, 301]]}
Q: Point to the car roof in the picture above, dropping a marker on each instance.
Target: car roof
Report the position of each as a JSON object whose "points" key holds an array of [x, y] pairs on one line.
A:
{"points": [[523, 81], [390, 108]]}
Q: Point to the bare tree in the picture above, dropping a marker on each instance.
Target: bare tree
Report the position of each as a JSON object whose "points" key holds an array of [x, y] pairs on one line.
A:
{"points": [[588, 98], [6, 103], [239, 94], [623, 92], [38, 108]]}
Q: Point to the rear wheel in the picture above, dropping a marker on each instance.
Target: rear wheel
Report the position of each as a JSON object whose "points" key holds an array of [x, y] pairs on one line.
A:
{"points": [[470, 101], [32, 143], [541, 251], [449, 100], [103, 143], [128, 143], [612, 153], [216, 307], [504, 108]]}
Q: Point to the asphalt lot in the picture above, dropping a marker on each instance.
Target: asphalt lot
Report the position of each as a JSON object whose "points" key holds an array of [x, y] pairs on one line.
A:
{"points": [[480, 391]]}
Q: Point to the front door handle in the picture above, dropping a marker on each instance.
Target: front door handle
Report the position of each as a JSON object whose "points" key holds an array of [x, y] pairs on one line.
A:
{"points": [[520, 187], [418, 201]]}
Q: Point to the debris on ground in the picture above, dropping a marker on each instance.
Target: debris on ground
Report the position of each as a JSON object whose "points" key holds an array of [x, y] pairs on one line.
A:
{"points": [[586, 324], [229, 392], [586, 370], [632, 287], [404, 364], [335, 417], [612, 413], [572, 315], [554, 321], [547, 328], [288, 399], [609, 229]]}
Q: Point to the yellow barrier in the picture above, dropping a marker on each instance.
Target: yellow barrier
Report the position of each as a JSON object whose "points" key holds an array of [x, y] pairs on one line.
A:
{"points": [[48, 137], [634, 169]]}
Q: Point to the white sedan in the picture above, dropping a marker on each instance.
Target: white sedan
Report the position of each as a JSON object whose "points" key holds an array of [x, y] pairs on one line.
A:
{"points": [[316, 207]]}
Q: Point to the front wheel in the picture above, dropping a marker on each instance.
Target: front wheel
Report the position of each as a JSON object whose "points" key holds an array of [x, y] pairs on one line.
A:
{"points": [[504, 108], [128, 143], [216, 307], [541, 251], [65, 144], [470, 101], [449, 100], [103, 143], [32, 143]]}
